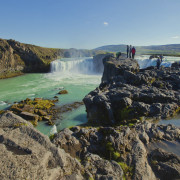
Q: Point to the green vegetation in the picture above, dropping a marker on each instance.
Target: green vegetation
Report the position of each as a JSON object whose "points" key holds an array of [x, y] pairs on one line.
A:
{"points": [[111, 153], [124, 113], [20, 125], [51, 137], [128, 171], [35, 110]]}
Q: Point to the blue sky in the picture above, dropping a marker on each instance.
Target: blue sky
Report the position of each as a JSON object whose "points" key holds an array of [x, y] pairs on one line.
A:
{"points": [[90, 23]]}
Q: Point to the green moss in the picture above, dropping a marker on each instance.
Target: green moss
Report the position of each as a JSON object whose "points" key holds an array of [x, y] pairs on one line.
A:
{"points": [[152, 80], [124, 113], [90, 178], [111, 153], [20, 124], [154, 162], [51, 137], [116, 155], [128, 171], [141, 118], [130, 124], [43, 104]]}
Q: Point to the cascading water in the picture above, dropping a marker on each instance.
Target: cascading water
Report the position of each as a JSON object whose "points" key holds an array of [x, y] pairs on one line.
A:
{"points": [[145, 62], [72, 65]]}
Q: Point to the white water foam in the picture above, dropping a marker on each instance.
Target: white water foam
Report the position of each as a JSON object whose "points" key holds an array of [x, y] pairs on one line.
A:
{"points": [[78, 71], [53, 130], [145, 62], [73, 65], [2, 103]]}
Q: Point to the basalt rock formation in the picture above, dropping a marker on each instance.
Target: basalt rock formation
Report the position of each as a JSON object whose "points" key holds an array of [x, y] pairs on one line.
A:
{"points": [[128, 93]]}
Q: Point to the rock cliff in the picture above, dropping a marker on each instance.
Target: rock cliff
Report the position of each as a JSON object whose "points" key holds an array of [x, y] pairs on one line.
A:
{"points": [[127, 94], [16, 58]]}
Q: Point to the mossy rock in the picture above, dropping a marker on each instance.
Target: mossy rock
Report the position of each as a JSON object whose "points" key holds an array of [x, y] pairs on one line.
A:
{"points": [[2, 112]]}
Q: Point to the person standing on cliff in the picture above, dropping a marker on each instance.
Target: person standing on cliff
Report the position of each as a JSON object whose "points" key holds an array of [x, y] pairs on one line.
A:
{"points": [[158, 62], [127, 51], [133, 52], [130, 51]]}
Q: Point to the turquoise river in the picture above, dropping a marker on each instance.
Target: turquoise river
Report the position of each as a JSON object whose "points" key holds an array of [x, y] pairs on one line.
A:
{"points": [[75, 75]]}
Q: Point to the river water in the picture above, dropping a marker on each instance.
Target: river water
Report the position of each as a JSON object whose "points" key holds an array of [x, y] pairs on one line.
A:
{"points": [[76, 75]]}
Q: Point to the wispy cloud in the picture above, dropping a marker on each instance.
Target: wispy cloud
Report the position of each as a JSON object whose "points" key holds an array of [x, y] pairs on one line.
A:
{"points": [[105, 23], [175, 37]]}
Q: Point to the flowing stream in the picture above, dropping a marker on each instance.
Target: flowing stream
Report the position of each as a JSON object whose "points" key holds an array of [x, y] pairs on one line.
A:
{"points": [[76, 75]]}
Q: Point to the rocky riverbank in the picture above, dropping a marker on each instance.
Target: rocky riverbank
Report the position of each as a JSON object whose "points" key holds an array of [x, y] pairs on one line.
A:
{"points": [[121, 144]]}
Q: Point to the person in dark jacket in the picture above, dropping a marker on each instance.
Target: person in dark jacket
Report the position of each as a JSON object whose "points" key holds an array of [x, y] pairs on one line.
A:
{"points": [[127, 51], [130, 51], [158, 62], [133, 52]]}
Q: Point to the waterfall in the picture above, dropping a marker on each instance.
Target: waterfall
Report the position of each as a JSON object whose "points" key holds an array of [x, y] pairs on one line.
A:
{"points": [[145, 62], [73, 65]]}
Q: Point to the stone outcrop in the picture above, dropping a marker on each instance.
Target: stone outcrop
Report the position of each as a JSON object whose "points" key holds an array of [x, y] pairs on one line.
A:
{"points": [[128, 147], [98, 62], [114, 67], [128, 93], [28, 154], [17, 58]]}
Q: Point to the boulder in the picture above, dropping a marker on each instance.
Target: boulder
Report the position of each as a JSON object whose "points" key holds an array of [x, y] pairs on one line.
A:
{"points": [[63, 92], [28, 154]]}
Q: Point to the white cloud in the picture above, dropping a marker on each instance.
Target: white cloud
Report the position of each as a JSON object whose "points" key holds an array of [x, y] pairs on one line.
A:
{"points": [[106, 23], [175, 37]]}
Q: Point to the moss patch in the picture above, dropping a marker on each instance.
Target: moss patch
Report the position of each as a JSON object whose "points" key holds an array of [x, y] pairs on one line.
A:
{"points": [[128, 171], [35, 110]]}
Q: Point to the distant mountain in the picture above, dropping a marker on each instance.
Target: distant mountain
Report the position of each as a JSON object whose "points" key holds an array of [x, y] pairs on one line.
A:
{"points": [[169, 49]]}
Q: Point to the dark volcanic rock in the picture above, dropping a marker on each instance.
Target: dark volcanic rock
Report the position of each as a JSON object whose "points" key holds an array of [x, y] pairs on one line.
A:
{"points": [[127, 93], [98, 62], [114, 67]]}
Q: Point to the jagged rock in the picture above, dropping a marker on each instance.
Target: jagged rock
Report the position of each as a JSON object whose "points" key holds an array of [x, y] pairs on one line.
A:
{"points": [[98, 62], [28, 154], [113, 68], [102, 169], [127, 93], [166, 165], [130, 147]]}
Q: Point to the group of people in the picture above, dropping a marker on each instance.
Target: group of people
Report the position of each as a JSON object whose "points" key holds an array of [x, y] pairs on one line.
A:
{"points": [[131, 51]]}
